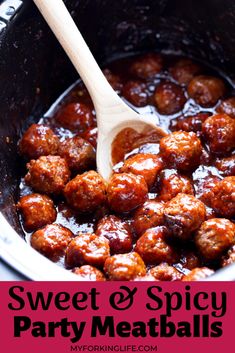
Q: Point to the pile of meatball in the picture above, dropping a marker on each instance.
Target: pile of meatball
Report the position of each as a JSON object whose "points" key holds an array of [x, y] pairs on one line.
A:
{"points": [[154, 220]]}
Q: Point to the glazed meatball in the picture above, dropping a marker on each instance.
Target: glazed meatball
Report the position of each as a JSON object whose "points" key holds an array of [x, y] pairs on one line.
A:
{"points": [[117, 232], [79, 154], [76, 117], [86, 192], [183, 215], [114, 80], [214, 237], [227, 106], [223, 197], [153, 248], [87, 248], [52, 240], [181, 150], [229, 258], [37, 211], [171, 183], [126, 192], [189, 260], [206, 90], [169, 98], [149, 215], [48, 174], [146, 278], [190, 123], [165, 272], [147, 66], [184, 70], [198, 274], [145, 164], [136, 93], [91, 136], [226, 165], [204, 188], [124, 267], [219, 131], [89, 273], [38, 140]]}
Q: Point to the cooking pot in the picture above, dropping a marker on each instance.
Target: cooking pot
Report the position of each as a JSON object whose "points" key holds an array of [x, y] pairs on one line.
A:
{"points": [[34, 71]]}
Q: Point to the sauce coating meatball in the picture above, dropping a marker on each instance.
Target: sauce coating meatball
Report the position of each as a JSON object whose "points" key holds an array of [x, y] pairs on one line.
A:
{"points": [[149, 215], [76, 117], [226, 165], [86, 192], [126, 192], [124, 267], [189, 260], [136, 93], [184, 70], [145, 164], [147, 66], [52, 240], [223, 197], [206, 90], [89, 273], [229, 258], [37, 210], [114, 80], [117, 232], [153, 248], [227, 106], [171, 183], [169, 98], [190, 123], [219, 131], [183, 215], [181, 150], [204, 188], [48, 174], [79, 154], [87, 248], [214, 237], [165, 272], [91, 135], [198, 274], [38, 140]]}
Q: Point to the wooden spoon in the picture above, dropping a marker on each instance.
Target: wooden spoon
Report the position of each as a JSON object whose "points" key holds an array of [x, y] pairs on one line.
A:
{"points": [[113, 115]]}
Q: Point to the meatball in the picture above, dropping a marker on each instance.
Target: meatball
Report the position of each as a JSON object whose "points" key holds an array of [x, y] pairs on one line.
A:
{"points": [[145, 164], [153, 248], [87, 248], [227, 106], [219, 131], [124, 267], [114, 80], [189, 260], [214, 237], [48, 174], [169, 98], [147, 66], [117, 232], [226, 165], [89, 273], [38, 141], [229, 258], [190, 123], [126, 192], [171, 183], [204, 187], [181, 150], [52, 240], [91, 136], [149, 215], [79, 154], [206, 90], [184, 70], [37, 210], [86, 192], [183, 215], [223, 197], [76, 117], [146, 278], [198, 273], [165, 272], [136, 93]]}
